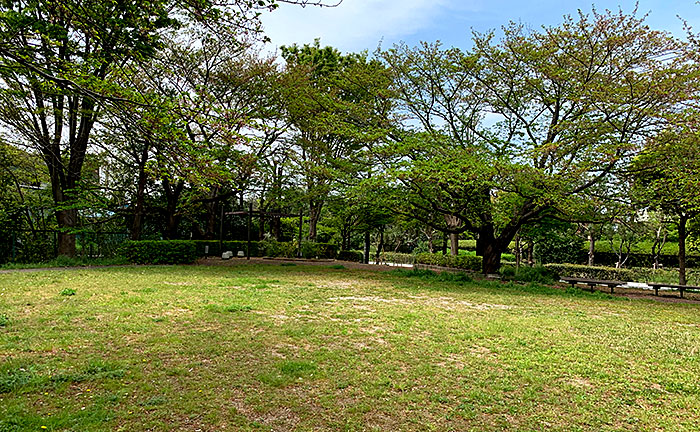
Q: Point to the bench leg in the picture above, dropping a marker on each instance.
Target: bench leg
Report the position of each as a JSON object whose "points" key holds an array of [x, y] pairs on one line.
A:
{"points": [[591, 287], [656, 291], [612, 289], [681, 290]]}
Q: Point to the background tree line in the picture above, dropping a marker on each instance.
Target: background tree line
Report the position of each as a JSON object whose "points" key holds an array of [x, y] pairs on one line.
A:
{"points": [[158, 118]]}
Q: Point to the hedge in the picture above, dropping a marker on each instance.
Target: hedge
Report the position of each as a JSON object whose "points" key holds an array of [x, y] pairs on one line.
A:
{"points": [[319, 250], [464, 262], [351, 255], [268, 248], [645, 260], [228, 245], [397, 258], [591, 272], [159, 251]]}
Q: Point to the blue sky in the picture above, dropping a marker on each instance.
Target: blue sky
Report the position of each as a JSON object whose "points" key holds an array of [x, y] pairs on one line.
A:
{"points": [[357, 25]]}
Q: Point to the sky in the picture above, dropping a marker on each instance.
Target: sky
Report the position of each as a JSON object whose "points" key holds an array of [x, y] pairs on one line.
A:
{"points": [[357, 25]]}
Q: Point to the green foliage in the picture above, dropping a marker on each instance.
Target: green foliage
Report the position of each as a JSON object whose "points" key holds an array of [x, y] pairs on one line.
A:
{"points": [[591, 272], [463, 262], [431, 275], [350, 255], [337, 267], [319, 250], [268, 248], [537, 274], [160, 251], [272, 248], [557, 242], [4, 320], [68, 292], [234, 246], [398, 258]]}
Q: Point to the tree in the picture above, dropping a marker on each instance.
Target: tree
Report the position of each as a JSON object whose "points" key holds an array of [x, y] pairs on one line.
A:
{"points": [[338, 105], [531, 126], [667, 176], [57, 62]]}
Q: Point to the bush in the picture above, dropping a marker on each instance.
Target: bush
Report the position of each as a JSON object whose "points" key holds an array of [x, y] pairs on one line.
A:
{"points": [[319, 250], [537, 274], [234, 246], [160, 251], [273, 248], [351, 255], [268, 248], [591, 272], [464, 262], [398, 258]]}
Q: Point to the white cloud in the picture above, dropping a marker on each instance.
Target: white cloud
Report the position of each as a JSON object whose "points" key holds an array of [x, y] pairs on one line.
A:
{"points": [[354, 25]]}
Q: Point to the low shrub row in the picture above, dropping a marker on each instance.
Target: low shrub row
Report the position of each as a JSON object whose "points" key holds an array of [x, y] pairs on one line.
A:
{"points": [[187, 251], [397, 258], [464, 262], [537, 274], [351, 255], [591, 272], [159, 251]]}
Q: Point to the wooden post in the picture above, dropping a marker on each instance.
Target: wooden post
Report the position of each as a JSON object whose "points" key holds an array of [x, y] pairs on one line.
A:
{"points": [[221, 231], [301, 227], [367, 241], [250, 217]]}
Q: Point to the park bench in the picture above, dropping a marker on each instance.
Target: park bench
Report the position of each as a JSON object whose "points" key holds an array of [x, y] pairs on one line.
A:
{"points": [[681, 288], [594, 283]]}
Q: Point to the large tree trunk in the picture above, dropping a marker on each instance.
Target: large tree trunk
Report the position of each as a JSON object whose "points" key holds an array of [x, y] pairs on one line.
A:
{"points": [[140, 201], [380, 246], [314, 216], [67, 220], [591, 248], [453, 222], [172, 195], [454, 244], [491, 259], [682, 236], [277, 228], [367, 244], [491, 250]]}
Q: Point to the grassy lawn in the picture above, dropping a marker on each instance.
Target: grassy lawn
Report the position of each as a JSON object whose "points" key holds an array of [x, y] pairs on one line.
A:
{"points": [[296, 348]]}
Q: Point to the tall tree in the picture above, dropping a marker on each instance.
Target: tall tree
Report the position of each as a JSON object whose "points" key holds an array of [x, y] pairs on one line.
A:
{"points": [[338, 105], [57, 60], [667, 175], [529, 126]]}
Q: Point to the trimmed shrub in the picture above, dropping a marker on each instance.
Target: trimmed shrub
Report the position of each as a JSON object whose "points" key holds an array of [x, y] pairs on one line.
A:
{"points": [[464, 262], [537, 274], [272, 248], [268, 248], [160, 251], [398, 258], [351, 255], [591, 272], [319, 250], [234, 246]]}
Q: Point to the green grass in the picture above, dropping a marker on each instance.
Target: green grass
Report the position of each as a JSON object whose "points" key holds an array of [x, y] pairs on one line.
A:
{"points": [[262, 348], [63, 261]]}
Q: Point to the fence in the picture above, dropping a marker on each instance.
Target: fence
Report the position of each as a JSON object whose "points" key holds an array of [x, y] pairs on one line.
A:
{"points": [[42, 245]]}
